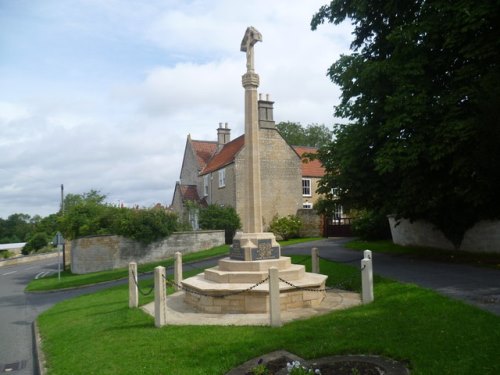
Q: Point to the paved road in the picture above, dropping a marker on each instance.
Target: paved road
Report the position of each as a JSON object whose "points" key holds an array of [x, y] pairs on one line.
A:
{"points": [[18, 310], [474, 285]]}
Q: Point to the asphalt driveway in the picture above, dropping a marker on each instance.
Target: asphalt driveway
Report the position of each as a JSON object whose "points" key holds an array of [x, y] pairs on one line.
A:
{"points": [[475, 285]]}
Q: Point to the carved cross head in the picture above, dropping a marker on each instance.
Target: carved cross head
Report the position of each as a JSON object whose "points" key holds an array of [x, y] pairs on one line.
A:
{"points": [[251, 37]]}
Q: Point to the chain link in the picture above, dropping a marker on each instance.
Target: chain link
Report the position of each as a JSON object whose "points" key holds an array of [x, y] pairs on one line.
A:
{"points": [[343, 261], [192, 291], [139, 289]]}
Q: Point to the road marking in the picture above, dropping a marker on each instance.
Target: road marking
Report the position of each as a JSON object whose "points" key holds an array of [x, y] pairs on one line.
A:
{"points": [[43, 274], [8, 273]]}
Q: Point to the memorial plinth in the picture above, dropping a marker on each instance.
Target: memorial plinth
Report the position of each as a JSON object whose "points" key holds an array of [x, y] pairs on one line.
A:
{"points": [[254, 246], [232, 280]]}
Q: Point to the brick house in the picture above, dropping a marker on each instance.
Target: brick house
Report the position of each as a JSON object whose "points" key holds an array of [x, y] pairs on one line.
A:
{"points": [[211, 171]]}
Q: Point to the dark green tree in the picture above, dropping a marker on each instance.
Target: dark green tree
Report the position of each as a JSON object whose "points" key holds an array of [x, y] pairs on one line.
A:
{"points": [[421, 94], [220, 217], [16, 228], [313, 135]]}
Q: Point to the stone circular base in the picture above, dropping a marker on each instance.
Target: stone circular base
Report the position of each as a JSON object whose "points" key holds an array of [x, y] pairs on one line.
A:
{"points": [[253, 302]]}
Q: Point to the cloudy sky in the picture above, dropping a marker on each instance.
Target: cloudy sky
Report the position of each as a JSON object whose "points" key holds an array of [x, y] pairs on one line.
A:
{"points": [[101, 94]]}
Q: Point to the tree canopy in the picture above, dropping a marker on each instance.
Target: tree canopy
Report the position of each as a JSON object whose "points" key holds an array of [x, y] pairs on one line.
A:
{"points": [[421, 92], [313, 135]]}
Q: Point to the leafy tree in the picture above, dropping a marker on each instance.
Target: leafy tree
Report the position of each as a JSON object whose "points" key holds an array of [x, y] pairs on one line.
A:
{"points": [[220, 217], [313, 135], [16, 228], [92, 196], [420, 91]]}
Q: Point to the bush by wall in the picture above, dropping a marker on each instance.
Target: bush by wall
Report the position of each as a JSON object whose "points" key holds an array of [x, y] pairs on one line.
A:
{"points": [[94, 218], [219, 217], [285, 227]]}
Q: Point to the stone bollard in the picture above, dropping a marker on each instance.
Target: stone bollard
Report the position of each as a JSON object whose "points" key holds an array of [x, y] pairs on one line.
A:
{"points": [[133, 291], [160, 297], [274, 298], [178, 271], [314, 260], [367, 254], [367, 280]]}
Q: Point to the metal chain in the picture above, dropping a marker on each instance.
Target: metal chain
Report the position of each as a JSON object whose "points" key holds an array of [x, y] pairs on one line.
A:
{"points": [[306, 289], [343, 261], [192, 291], [139, 289]]}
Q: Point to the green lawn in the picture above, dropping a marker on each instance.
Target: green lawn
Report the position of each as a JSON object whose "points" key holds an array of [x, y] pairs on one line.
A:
{"points": [[99, 334], [491, 260]]}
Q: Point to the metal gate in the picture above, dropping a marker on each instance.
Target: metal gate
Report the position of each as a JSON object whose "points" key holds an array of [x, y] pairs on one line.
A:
{"points": [[338, 227]]}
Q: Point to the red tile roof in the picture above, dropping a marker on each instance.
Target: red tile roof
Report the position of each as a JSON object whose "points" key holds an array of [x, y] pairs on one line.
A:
{"points": [[310, 168], [189, 193], [204, 150], [225, 156]]}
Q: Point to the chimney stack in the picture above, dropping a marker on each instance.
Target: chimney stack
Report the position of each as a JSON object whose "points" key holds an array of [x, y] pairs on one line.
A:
{"points": [[223, 135], [266, 116]]}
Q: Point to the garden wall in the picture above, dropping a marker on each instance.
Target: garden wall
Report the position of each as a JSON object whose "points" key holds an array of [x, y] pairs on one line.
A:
{"points": [[311, 223], [99, 253], [483, 237]]}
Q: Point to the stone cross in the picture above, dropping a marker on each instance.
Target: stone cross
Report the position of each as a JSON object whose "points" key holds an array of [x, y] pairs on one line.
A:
{"points": [[251, 37]]}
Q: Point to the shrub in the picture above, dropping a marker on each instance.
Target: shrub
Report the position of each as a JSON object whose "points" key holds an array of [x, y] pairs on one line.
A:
{"points": [[285, 227], [143, 225], [219, 217], [35, 243], [371, 225]]}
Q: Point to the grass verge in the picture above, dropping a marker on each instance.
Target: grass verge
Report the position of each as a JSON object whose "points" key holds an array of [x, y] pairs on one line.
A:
{"points": [[70, 280], [490, 260], [99, 334]]}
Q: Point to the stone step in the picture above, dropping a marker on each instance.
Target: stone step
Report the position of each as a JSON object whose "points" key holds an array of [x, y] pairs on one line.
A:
{"points": [[293, 272], [227, 264], [201, 284]]}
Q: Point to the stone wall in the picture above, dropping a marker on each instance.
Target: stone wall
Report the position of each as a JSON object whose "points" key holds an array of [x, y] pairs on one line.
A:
{"points": [[311, 223], [99, 253], [483, 237]]}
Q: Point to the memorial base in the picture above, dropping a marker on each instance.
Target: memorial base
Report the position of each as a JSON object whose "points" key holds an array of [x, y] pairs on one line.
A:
{"points": [[254, 246]]}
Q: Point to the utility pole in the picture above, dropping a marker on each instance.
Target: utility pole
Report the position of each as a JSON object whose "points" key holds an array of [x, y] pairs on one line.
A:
{"points": [[62, 213]]}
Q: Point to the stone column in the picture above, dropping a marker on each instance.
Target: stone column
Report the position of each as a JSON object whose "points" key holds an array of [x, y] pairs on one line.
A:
{"points": [[314, 260], [252, 244], [133, 293], [160, 297], [250, 81], [274, 298], [178, 270]]}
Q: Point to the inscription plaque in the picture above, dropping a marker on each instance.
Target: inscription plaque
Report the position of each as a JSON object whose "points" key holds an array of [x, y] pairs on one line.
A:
{"points": [[236, 252], [265, 250]]}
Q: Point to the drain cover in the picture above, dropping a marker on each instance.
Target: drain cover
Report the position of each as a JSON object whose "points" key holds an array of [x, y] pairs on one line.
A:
{"points": [[11, 367]]}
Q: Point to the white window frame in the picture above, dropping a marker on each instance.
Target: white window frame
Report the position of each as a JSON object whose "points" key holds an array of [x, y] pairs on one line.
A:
{"points": [[307, 205], [304, 187], [222, 177], [205, 185]]}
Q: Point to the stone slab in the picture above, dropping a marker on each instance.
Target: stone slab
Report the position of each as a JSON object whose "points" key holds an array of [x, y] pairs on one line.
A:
{"points": [[180, 313]]}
